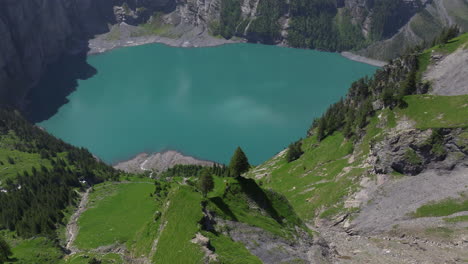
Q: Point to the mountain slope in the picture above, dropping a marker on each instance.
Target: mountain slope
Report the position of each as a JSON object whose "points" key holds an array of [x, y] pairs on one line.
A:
{"points": [[397, 176]]}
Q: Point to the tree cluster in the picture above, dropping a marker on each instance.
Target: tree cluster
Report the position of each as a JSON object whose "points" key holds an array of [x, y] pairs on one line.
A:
{"points": [[161, 189], [230, 20], [389, 85], [317, 24], [446, 35], [388, 16], [265, 27], [32, 203], [194, 170]]}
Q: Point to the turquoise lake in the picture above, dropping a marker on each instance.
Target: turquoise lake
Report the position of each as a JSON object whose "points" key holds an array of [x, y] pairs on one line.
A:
{"points": [[203, 102]]}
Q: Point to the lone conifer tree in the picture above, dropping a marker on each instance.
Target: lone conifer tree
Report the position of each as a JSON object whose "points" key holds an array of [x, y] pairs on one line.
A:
{"points": [[206, 182], [239, 163]]}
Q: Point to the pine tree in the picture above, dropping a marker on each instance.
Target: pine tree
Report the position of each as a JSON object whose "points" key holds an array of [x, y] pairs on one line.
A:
{"points": [[239, 163], [206, 182], [321, 129], [294, 151], [5, 251]]}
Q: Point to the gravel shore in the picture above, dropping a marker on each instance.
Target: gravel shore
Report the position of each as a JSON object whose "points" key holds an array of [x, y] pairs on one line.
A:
{"points": [[362, 59], [125, 35]]}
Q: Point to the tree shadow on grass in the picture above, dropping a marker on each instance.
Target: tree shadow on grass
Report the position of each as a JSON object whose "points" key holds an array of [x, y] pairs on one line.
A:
{"points": [[256, 194], [223, 207]]}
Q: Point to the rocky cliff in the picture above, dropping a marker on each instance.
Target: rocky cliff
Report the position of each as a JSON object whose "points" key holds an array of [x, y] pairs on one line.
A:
{"points": [[36, 33]]}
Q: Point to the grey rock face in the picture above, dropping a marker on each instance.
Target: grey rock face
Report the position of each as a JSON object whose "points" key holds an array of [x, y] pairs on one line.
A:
{"points": [[35, 33], [410, 152], [274, 249]]}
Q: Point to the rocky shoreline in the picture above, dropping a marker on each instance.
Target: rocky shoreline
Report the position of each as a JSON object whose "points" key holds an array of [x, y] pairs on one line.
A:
{"points": [[159, 162], [191, 37], [355, 57], [187, 37]]}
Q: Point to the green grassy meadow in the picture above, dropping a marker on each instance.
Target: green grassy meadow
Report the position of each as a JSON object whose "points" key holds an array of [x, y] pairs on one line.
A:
{"points": [[35, 250], [442, 208], [181, 225], [116, 213], [430, 111]]}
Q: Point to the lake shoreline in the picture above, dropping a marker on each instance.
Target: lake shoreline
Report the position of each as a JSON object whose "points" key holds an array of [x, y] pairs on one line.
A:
{"points": [[160, 161], [204, 102], [194, 38], [366, 60]]}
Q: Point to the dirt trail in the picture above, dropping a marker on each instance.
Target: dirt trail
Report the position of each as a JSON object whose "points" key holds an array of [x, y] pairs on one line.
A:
{"points": [[154, 246], [72, 226]]}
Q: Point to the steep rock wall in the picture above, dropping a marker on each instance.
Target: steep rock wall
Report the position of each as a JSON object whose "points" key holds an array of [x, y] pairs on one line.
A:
{"points": [[35, 33]]}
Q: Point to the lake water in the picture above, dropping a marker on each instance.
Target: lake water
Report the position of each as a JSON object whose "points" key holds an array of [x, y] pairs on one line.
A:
{"points": [[203, 102]]}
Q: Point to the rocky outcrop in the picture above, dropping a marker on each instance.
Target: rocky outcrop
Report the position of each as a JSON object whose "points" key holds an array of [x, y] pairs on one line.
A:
{"points": [[159, 162], [274, 249], [445, 74], [204, 243], [411, 151]]}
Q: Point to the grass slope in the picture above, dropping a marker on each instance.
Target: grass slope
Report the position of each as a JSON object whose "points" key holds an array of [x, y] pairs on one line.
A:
{"points": [[230, 252], [442, 208], [233, 201], [311, 183], [431, 111], [22, 161], [117, 212], [35, 250], [181, 225], [85, 258], [317, 183]]}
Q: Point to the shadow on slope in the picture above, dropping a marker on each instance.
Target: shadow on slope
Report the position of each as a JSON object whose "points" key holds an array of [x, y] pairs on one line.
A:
{"points": [[59, 81]]}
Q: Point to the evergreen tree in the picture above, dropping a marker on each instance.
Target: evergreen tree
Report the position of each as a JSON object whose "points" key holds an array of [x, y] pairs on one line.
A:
{"points": [[409, 85], [206, 182], [239, 163], [5, 251], [294, 151], [321, 129]]}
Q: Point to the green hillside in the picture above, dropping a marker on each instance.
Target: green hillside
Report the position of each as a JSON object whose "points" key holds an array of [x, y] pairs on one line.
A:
{"points": [[336, 153]]}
